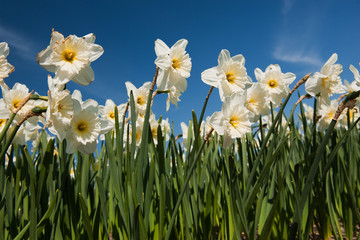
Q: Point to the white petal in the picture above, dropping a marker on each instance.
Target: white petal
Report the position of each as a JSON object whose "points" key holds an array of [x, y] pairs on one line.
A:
{"points": [[163, 79], [217, 122], [89, 38], [85, 76], [180, 44], [95, 52], [4, 49], [239, 58], [161, 48], [163, 62], [130, 87], [211, 77], [288, 78], [259, 75], [227, 140], [224, 56], [105, 126]]}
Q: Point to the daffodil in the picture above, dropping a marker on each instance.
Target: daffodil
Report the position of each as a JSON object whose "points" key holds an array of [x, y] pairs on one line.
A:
{"points": [[5, 67], [173, 97], [12, 99], [60, 110], [140, 95], [327, 112], [326, 82], [69, 58], [256, 102], [174, 65], [107, 112], [274, 83], [85, 126], [229, 76], [233, 121]]}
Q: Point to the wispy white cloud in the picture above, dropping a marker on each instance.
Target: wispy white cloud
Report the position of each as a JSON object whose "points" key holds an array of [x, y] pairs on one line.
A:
{"points": [[303, 55], [21, 45]]}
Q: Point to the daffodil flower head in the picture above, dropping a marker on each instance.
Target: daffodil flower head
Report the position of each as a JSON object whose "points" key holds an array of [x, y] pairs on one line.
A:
{"points": [[107, 112], [174, 65], [327, 112], [85, 126], [5, 67], [173, 97], [233, 121], [326, 82], [274, 83], [69, 58], [140, 95], [256, 102], [229, 76], [13, 98], [356, 74]]}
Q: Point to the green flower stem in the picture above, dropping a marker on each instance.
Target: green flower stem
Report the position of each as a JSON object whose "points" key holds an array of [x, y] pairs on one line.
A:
{"points": [[8, 142], [193, 164], [197, 130], [7, 125]]}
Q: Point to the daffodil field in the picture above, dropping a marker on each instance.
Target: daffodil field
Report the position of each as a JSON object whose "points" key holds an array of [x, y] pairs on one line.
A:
{"points": [[73, 169]]}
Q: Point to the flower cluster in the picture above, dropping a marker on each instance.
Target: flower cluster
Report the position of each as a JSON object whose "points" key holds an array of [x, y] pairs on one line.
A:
{"points": [[83, 122]]}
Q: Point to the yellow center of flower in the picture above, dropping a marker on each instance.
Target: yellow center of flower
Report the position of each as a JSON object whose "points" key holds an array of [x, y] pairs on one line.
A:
{"points": [[250, 103], [324, 81], [230, 76], [69, 55], [138, 136], [2, 122], [234, 121], [82, 126], [112, 115], [154, 132], [330, 115], [176, 63], [140, 100], [60, 107], [272, 83], [16, 103]]}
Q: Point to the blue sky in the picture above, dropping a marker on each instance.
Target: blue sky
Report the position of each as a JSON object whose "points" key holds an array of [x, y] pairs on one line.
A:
{"points": [[298, 35]]}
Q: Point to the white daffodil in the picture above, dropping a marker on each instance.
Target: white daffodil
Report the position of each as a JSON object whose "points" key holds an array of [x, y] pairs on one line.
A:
{"points": [[107, 112], [138, 134], [327, 112], [353, 114], [5, 67], [174, 64], [274, 83], [309, 113], [356, 74], [173, 97], [12, 99], [85, 127], [165, 128], [326, 82], [140, 95], [229, 76], [256, 102], [70, 58], [233, 121]]}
